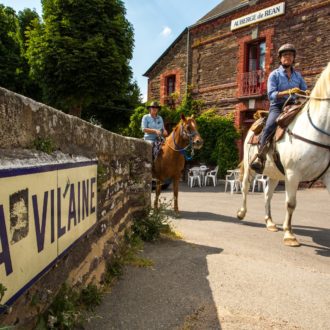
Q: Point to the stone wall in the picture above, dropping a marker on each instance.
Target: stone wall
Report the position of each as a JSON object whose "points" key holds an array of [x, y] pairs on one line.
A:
{"points": [[124, 186]]}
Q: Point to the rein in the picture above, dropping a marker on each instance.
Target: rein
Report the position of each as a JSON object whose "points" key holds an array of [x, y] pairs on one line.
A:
{"points": [[321, 145], [313, 97], [317, 128], [299, 137]]}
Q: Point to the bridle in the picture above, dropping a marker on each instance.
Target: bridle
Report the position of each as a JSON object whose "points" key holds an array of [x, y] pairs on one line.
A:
{"points": [[186, 135]]}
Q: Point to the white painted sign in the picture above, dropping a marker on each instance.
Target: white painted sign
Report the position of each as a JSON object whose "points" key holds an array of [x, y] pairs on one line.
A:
{"points": [[261, 15], [43, 211]]}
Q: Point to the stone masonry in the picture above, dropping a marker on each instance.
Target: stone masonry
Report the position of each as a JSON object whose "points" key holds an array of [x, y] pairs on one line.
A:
{"points": [[124, 187]]}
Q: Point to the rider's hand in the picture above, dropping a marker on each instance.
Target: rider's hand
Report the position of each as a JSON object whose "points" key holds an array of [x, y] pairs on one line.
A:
{"points": [[307, 92], [294, 90], [158, 132]]}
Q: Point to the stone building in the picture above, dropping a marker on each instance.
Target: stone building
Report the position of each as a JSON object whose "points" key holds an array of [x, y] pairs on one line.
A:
{"points": [[227, 55]]}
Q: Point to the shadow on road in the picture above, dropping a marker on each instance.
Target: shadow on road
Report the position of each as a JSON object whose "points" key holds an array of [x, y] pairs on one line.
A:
{"points": [[173, 294], [320, 236], [209, 216]]}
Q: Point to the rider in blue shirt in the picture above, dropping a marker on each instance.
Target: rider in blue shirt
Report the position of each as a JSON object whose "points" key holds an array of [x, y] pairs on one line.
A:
{"points": [[152, 124], [280, 82]]}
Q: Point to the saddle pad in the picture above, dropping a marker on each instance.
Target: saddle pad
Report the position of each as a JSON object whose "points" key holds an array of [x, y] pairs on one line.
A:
{"points": [[279, 133], [258, 125]]}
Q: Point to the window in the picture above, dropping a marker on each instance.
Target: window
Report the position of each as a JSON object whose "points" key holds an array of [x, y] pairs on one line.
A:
{"points": [[253, 79], [256, 56], [170, 85]]}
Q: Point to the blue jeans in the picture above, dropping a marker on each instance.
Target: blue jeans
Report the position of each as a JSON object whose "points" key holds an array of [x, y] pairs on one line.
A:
{"points": [[274, 112]]}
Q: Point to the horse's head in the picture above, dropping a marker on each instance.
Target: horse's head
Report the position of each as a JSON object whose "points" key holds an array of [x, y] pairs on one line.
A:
{"points": [[189, 131]]}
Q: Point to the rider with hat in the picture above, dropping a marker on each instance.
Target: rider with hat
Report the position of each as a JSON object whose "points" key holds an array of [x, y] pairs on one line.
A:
{"points": [[281, 83], [152, 124]]}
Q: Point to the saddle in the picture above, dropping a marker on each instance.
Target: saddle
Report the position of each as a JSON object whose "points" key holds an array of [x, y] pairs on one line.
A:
{"points": [[286, 117], [283, 121]]}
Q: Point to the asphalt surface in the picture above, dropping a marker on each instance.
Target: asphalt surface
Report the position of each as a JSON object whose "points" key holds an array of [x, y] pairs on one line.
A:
{"points": [[226, 273]]}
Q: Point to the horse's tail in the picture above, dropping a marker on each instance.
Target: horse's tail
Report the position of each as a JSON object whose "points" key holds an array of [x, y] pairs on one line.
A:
{"points": [[241, 170]]}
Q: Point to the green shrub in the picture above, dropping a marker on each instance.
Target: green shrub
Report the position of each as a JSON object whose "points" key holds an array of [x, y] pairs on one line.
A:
{"points": [[91, 296], [44, 144], [220, 136], [150, 227], [134, 127]]}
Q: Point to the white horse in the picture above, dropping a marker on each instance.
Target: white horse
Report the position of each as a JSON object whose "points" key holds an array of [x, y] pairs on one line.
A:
{"points": [[304, 152]]}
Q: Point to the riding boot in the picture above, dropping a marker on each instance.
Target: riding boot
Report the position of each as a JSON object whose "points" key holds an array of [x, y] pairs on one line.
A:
{"points": [[258, 162]]}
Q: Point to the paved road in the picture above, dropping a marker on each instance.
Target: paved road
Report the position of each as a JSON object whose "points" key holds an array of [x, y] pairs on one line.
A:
{"points": [[228, 274]]}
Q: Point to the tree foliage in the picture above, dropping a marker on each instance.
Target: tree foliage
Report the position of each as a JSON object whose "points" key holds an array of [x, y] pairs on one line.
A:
{"points": [[28, 20], [10, 48], [81, 53]]}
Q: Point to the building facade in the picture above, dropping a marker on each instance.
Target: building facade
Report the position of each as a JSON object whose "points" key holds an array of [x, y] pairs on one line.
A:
{"points": [[226, 57]]}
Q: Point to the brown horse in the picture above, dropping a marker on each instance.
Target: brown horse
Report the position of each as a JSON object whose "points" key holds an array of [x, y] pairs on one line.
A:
{"points": [[171, 159]]}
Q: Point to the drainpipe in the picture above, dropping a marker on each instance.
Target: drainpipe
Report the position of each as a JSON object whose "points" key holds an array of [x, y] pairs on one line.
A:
{"points": [[188, 53]]}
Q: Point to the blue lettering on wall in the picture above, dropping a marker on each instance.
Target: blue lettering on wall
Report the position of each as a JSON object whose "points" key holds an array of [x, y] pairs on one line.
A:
{"points": [[93, 180], [60, 229], [52, 216], [72, 208], [85, 189], [5, 254], [79, 202], [40, 230]]}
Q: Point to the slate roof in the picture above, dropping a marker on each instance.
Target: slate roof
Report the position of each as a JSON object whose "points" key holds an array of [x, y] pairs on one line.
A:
{"points": [[222, 8]]}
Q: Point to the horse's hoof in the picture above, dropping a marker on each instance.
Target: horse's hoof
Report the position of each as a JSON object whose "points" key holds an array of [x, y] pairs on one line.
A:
{"points": [[240, 215], [291, 242], [272, 228]]}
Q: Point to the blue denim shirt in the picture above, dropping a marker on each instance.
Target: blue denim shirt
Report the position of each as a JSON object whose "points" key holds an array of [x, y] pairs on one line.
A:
{"points": [[154, 123], [278, 81]]}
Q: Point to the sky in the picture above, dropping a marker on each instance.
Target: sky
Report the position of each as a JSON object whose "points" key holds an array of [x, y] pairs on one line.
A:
{"points": [[156, 23]]}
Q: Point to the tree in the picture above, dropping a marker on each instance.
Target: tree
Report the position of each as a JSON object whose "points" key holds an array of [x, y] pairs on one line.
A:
{"points": [[28, 20], [114, 114], [10, 48], [81, 53]]}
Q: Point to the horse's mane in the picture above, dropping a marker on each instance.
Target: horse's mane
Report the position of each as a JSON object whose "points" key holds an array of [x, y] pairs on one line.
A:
{"points": [[179, 123], [322, 85]]}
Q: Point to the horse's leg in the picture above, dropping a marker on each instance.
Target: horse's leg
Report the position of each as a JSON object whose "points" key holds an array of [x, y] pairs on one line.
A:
{"points": [[269, 191], [158, 190], [291, 184], [175, 194], [245, 189]]}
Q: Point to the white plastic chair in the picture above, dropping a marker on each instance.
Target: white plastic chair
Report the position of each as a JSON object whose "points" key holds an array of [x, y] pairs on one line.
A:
{"points": [[261, 181], [202, 173], [193, 178], [232, 179], [212, 175]]}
